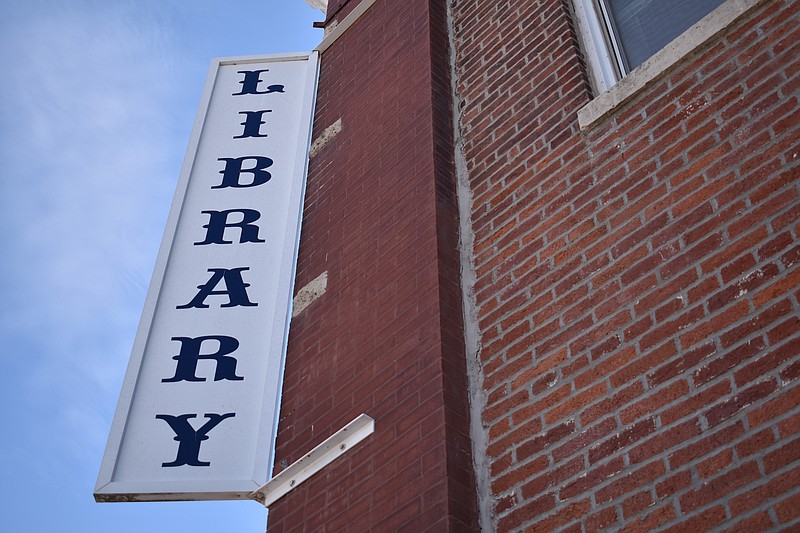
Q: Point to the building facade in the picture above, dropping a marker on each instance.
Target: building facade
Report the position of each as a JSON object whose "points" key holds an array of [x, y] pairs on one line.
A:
{"points": [[563, 281]]}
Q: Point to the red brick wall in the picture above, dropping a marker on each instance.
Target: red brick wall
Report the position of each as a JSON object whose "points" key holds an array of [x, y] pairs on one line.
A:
{"points": [[637, 285], [338, 9], [386, 338]]}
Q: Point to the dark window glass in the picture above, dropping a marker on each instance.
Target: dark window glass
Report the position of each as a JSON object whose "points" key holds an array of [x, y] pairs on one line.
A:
{"points": [[643, 27]]}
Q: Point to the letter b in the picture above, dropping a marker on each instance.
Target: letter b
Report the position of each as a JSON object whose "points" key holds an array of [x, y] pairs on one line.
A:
{"points": [[233, 171]]}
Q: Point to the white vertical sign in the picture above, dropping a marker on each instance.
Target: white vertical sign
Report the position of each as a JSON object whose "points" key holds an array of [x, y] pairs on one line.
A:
{"points": [[198, 410]]}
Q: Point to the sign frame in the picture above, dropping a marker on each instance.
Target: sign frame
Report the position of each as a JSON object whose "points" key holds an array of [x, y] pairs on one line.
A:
{"points": [[110, 487]]}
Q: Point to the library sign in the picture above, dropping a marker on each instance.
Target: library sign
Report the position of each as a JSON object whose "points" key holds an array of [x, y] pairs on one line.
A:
{"points": [[198, 410]]}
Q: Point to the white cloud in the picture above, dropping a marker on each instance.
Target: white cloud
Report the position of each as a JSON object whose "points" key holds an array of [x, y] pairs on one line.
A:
{"points": [[90, 157], [97, 99]]}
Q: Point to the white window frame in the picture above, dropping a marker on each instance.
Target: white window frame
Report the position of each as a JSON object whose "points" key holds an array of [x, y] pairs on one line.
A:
{"points": [[612, 85], [600, 55]]}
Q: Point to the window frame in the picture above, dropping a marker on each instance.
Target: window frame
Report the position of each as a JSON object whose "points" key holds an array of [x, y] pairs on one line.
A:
{"points": [[614, 87], [601, 60]]}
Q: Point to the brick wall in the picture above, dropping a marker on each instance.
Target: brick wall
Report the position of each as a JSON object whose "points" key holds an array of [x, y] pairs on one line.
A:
{"points": [[386, 338], [636, 285]]}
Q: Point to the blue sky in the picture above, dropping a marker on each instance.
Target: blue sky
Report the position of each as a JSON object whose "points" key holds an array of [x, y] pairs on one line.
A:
{"points": [[97, 100]]}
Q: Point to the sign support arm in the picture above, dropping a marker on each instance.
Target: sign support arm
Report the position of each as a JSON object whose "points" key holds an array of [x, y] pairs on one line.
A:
{"points": [[325, 453]]}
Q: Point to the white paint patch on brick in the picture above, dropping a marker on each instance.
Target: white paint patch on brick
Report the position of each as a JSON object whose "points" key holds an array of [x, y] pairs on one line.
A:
{"points": [[325, 137], [310, 293], [756, 274]]}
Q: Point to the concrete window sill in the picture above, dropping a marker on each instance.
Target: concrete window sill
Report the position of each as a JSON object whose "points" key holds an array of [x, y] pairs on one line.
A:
{"points": [[664, 60]]}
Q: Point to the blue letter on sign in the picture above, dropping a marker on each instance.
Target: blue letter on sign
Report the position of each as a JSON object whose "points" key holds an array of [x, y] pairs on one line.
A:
{"points": [[233, 171], [235, 288], [190, 354], [188, 439], [251, 81], [252, 123], [219, 221]]}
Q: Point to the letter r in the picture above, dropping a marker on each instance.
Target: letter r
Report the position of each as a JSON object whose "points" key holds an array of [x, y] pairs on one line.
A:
{"points": [[218, 222], [189, 356]]}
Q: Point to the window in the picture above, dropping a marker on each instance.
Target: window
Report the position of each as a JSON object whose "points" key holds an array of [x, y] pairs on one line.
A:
{"points": [[622, 34], [653, 35]]}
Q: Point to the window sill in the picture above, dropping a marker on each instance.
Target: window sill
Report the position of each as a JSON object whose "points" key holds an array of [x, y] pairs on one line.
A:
{"points": [[663, 61]]}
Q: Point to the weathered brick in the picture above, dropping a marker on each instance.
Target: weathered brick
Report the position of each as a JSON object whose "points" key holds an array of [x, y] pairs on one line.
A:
{"points": [[511, 439], [622, 440], [746, 284], [580, 441], [741, 245], [769, 489], [545, 440], [527, 511], [687, 258], [576, 402], [696, 450], [666, 291], [643, 364], [695, 403], [654, 257], [553, 477], [652, 520], [762, 365], [605, 367], [591, 478], [672, 327], [758, 522], [755, 443], [713, 465], [788, 509], [769, 316], [790, 426], [725, 483], [543, 403], [541, 366], [600, 521], [664, 440], [503, 483], [705, 521], [725, 362], [655, 401], [570, 513], [775, 408], [637, 503], [506, 405], [505, 503], [740, 400], [783, 456], [737, 268], [717, 323], [673, 484], [642, 476], [676, 367], [501, 464]]}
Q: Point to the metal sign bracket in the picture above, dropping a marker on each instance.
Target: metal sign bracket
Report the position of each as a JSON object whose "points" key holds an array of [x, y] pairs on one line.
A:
{"points": [[325, 453]]}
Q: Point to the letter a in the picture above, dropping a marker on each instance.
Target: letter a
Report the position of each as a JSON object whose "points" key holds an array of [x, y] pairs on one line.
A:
{"points": [[233, 171], [235, 288], [188, 439], [189, 355], [251, 81], [218, 222]]}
